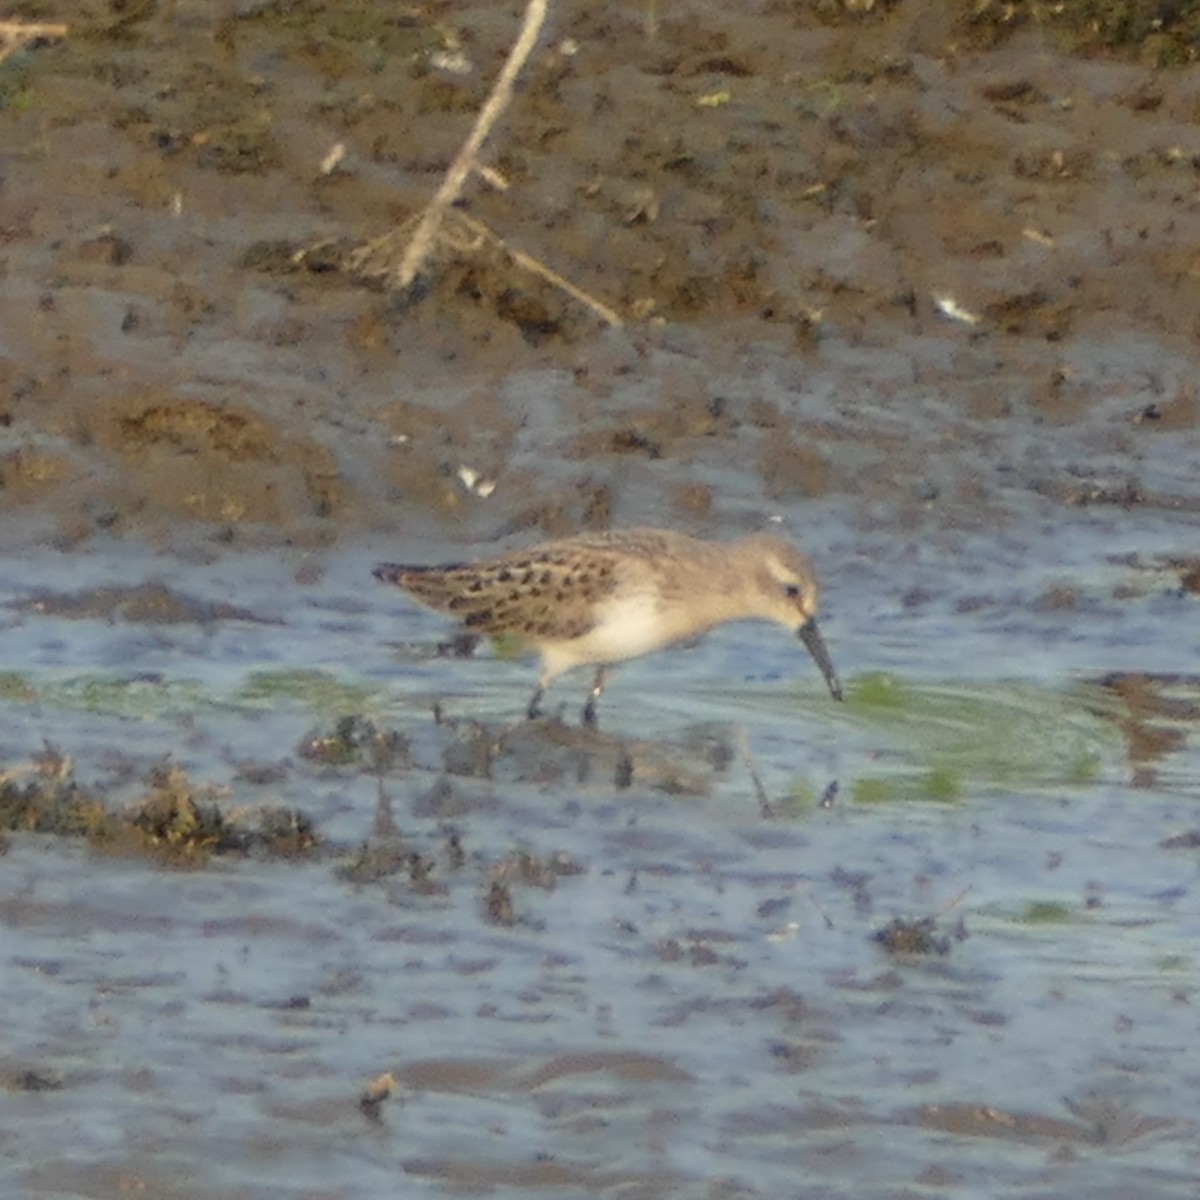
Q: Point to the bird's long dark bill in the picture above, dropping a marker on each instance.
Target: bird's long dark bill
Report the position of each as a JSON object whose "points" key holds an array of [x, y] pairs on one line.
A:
{"points": [[810, 635]]}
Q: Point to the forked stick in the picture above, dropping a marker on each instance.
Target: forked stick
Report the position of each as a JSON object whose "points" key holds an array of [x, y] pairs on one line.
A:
{"points": [[537, 267], [460, 169], [437, 225]]}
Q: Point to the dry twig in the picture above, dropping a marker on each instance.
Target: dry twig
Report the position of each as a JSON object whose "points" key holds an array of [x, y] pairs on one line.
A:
{"points": [[529, 263], [16, 34], [439, 224], [467, 158]]}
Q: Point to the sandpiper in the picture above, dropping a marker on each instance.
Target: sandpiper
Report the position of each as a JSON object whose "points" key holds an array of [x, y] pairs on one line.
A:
{"points": [[601, 598]]}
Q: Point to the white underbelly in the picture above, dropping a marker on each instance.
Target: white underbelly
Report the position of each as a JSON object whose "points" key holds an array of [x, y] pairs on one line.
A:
{"points": [[627, 628]]}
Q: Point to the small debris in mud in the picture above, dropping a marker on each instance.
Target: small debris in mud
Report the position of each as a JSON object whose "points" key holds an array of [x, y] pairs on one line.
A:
{"points": [[633, 441], [694, 951], [26, 473], [858, 883], [381, 1088], [1185, 567], [472, 751], [549, 750], [529, 869], [773, 907], [692, 499], [1129, 493], [262, 774], [917, 936], [374, 861], [194, 426], [794, 1059], [623, 776], [1056, 599], [1112, 1121], [1157, 35], [35, 1080], [1182, 841], [297, 1003], [454, 850], [1180, 412], [793, 468], [356, 740], [986, 1120], [280, 831], [151, 603], [1156, 722], [291, 258], [420, 874], [444, 802], [498, 905]]}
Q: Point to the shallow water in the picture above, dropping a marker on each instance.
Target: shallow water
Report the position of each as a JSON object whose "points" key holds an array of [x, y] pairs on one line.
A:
{"points": [[687, 998], [690, 1001]]}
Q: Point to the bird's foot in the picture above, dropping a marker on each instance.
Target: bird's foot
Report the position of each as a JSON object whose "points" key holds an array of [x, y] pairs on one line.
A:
{"points": [[589, 709]]}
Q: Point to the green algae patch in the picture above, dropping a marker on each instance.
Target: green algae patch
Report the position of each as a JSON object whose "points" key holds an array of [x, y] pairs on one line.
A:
{"points": [[144, 697], [1174, 962], [880, 692], [943, 785], [509, 646], [801, 797], [1046, 912], [317, 689], [141, 697], [148, 697], [875, 791], [944, 742]]}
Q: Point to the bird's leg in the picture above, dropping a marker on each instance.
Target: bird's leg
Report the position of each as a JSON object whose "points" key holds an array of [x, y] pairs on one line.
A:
{"points": [[535, 703], [589, 709]]}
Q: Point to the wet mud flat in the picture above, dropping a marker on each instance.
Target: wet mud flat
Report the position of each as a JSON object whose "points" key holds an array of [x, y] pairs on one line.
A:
{"points": [[933, 264], [293, 905]]}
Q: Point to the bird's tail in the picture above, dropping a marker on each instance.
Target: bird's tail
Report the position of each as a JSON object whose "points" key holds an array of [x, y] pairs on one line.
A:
{"points": [[439, 587]]}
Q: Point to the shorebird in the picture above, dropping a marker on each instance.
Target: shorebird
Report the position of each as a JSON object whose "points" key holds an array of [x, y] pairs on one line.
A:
{"points": [[601, 598]]}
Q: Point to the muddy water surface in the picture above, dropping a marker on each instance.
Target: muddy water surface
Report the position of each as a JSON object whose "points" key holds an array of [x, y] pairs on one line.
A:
{"points": [[583, 983], [293, 904]]}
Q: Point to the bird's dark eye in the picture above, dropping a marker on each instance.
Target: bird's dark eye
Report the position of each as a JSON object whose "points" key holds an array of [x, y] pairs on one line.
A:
{"points": [[793, 591]]}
